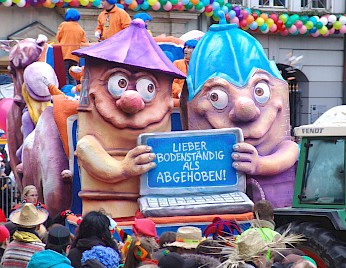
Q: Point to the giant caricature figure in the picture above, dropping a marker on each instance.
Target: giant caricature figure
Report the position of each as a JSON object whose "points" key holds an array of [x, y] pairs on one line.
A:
{"points": [[240, 87], [126, 91]]}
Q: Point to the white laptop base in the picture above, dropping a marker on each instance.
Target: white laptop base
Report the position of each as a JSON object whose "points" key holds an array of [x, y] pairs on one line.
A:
{"points": [[190, 205]]}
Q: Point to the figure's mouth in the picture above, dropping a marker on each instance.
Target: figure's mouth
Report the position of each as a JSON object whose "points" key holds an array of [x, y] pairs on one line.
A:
{"points": [[137, 122]]}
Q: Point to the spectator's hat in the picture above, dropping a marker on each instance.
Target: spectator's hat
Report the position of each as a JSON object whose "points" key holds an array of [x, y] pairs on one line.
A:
{"points": [[173, 260], [59, 235], [29, 215], [188, 237], [251, 244], [4, 233], [144, 227]]}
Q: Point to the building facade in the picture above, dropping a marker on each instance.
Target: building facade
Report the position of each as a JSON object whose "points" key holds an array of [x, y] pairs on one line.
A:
{"points": [[315, 67]]}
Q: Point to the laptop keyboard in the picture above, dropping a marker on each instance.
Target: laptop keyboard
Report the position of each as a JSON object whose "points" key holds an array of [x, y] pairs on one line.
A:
{"points": [[235, 202], [155, 202]]}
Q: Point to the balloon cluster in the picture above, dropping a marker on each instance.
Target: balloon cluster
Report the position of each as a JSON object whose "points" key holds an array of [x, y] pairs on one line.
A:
{"points": [[290, 24], [245, 18]]}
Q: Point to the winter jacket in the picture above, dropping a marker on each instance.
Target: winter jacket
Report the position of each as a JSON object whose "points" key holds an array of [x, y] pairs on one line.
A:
{"points": [[19, 252], [49, 259], [83, 244]]}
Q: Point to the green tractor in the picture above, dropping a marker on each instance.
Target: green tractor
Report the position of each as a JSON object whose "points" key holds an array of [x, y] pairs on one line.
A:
{"points": [[319, 203]]}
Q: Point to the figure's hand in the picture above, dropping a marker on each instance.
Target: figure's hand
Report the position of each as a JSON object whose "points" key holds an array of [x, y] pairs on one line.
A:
{"points": [[76, 69], [245, 157], [98, 34], [66, 175], [138, 161], [45, 81]]}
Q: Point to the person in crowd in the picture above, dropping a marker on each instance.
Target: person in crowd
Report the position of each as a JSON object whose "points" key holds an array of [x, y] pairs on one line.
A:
{"points": [[25, 240], [107, 256], [111, 20], [30, 195], [71, 36], [174, 260], [92, 231], [264, 222], [57, 247], [187, 239], [182, 65], [164, 239], [146, 18], [211, 248], [144, 227], [12, 228], [4, 239], [140, 251]]}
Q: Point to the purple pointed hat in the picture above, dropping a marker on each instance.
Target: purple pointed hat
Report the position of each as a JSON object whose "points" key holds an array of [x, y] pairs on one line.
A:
{"points": [[135, 47]]}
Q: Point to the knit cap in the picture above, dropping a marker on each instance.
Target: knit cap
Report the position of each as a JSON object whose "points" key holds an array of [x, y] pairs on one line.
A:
{"points": [[4, 233], [144, 227], [59, 235]]}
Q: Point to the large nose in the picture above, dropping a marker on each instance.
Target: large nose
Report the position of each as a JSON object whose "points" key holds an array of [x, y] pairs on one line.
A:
{"points": [[244, 110], [130, 102]]}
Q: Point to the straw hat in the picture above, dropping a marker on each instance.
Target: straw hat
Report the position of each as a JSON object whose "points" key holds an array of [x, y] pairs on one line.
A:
{"points": [[29, 215], [250, 245], [187, 237]]}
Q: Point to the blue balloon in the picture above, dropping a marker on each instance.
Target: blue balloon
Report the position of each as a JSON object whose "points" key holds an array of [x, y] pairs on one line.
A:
{"points": [[185, 2], [253, 25], [145, 5], [313, 30], [225, 9], [232, 14], [206, 2], [215, 5]]}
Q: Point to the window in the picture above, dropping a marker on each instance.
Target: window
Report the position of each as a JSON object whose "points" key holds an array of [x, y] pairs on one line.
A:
{"points": [[324, 174], [237, 2], [272, 3], [313, 4]]}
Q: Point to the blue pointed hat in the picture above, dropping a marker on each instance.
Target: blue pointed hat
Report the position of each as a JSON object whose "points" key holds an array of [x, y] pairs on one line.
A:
{"points": [[229, 53], [132, 46]]}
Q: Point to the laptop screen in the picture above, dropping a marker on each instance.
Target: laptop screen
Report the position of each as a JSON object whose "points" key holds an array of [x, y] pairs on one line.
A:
{"points": [[197, 162]]}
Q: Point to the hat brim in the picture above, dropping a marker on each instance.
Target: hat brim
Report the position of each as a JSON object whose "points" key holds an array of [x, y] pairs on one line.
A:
{"points": [[183, 245], [42, 216]]}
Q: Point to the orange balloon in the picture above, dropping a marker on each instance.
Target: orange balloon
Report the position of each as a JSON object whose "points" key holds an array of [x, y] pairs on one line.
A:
{"points": [[264, 16], [133, 5], [47, 4], [250, 19], [194, 2]]}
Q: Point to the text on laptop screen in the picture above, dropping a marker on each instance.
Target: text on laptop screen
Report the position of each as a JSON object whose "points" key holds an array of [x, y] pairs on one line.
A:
{"points": [[192, 163]]}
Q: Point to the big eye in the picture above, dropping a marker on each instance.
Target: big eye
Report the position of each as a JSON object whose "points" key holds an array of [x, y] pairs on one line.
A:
{"points": [[117, 84], [218, 98], [262, 92], [146, 88]]}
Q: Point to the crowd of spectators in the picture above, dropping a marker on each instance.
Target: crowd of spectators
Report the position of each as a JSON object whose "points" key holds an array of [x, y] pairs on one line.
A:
{"points": [[25, 242]]}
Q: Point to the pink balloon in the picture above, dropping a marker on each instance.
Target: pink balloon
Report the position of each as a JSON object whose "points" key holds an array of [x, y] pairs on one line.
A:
{"points": [[168, 6], [302, 30], [331, 31], [273, 28], [293, 29], [235, 20], [317, 33], [343, 29], [299, 24], [284, 32], [5, 106], [156, 6]]}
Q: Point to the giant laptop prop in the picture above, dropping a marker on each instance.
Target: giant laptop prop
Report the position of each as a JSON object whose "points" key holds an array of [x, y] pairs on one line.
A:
{"points": [[194, 174]]}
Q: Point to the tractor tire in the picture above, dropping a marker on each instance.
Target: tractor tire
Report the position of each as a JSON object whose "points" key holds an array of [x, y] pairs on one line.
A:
{"points": [[321, 244]]}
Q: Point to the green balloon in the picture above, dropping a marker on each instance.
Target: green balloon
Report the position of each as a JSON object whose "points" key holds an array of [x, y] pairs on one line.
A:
{"points": [[304, 19], [174, 2], [199, 6], [319, 25], [221, 2], [229, 5], [163, 2], [189, 6], [309, 25]]}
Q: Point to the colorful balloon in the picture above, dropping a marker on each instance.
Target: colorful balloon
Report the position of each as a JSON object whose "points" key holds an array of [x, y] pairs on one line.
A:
{"points": [[5, 106]]}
